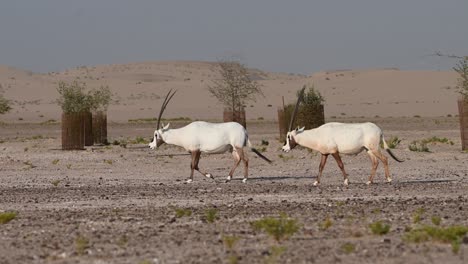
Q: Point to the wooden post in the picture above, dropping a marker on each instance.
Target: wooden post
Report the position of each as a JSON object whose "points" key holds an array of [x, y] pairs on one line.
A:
{"points": [[73, 136], [88, 128], [100, 127], [463, 114]]}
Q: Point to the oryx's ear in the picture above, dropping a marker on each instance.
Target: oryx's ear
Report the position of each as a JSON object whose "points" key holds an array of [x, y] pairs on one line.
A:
{"points": [[166, 126], [300, 129]]}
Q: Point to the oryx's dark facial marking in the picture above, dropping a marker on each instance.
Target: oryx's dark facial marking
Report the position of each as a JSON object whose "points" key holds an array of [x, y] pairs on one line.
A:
{"points": [[292, 142]]}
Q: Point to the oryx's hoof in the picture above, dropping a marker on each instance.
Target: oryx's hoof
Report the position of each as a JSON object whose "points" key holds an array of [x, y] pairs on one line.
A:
{"points": [[389, 180], [208, 175], [316, 183], [244, 180], [368, 182], [189, 181], [228, 179], [346, 182]]}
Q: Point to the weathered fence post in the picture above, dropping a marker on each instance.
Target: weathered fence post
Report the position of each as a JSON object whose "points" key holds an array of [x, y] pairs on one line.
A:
{"points": [[100, 127], [235, 116], [463, 114], [88, 128], [73, 136]]}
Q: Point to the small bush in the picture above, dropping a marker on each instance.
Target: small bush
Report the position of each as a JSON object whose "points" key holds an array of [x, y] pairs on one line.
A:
{"points": [[436, 220], [417, 215], [211, 215], [435, 140], [81, 244], [279, 228], [4, 105], [451, 234], [327, 223], [265, 142], [393, 142], [7, 217], [181, 212], [379, 228], [418, 146], [348, 248], [55, 182], [230, 242]]}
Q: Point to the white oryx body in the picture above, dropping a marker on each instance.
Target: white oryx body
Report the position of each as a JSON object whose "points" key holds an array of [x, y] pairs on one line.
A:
{"points": [[340, 138], [203, 137], [207, 137]]}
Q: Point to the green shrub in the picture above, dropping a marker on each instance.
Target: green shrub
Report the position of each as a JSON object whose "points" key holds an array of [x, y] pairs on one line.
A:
{"points": [[211, 215], [4, 105], [7, 217], [379, 228], [451, 234], [348, 248], [418, 146], [325, 224], [279, 228], [181, 212]]}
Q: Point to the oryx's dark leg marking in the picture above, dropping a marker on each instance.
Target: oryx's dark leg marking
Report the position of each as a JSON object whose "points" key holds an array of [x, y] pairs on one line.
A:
{"points": [[341, 165], [384, 160], [195, 164], [238, 154], [323, 161], [375, 164]]}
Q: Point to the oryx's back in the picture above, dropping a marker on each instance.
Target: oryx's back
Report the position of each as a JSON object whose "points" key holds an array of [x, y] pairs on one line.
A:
{"points": [[350, 138], [214, 137]]}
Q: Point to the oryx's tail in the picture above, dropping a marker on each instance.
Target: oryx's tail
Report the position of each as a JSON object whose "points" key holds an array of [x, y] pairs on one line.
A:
{"points": [[257, 152], [389, 151]]}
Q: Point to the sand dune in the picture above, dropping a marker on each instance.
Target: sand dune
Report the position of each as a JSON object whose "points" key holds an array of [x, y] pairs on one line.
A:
{"points": [[139, 86]]}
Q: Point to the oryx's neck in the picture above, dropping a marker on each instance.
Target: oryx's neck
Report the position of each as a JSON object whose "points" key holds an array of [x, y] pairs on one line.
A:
{"points": [[173, 137], [308, 138]]}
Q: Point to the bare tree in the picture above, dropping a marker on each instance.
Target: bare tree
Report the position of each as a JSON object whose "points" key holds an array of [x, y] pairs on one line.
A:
{"points": [[462, 69], [236, 87]]}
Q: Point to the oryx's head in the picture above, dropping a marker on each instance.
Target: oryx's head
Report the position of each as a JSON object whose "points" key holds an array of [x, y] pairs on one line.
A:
{"points": [[158, 136], [290, 142]]}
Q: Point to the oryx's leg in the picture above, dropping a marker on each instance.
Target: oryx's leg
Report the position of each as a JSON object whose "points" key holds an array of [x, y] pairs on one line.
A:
{"points": [[375, 164], [237, 159], [197, 160], [243, 157], [341, 165], [322, 165], [194, 164], [384, 160]]}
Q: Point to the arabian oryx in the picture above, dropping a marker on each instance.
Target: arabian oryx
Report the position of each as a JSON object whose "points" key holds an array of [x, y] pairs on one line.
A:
{"points": [[202, 137], [340, 138]]}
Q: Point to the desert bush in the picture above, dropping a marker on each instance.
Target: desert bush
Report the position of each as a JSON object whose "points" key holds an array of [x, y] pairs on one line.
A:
{"points": [[417, 215], [81, 244], [436, 220], [435, 140], [348, 248], [4, 105], [181, 212], [379, 228], [211, 215], [75, 99], [393, 142], [451, 234], [325, 224], [7, 217], [418, 146], [278, 228]]}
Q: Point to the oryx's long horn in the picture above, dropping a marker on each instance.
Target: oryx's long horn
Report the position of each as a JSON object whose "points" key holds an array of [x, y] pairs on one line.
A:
{"points": [[163, 106], [296, 108]]}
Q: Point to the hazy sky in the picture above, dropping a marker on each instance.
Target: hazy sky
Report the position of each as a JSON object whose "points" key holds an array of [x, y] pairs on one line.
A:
{"points": [[297, 36]]}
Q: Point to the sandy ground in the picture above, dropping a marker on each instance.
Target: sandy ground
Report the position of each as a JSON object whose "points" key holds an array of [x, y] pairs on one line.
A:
{"points": [[122, 201], [139, 89]]}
